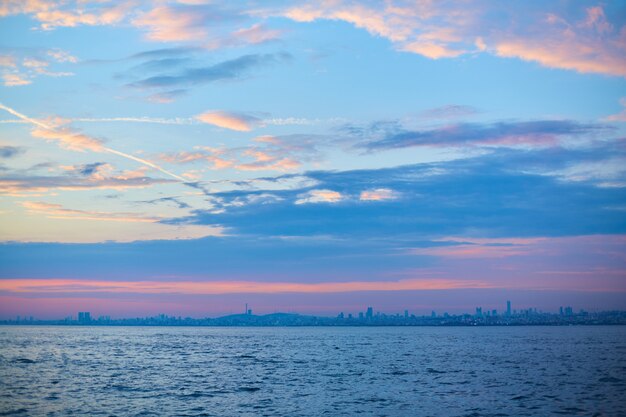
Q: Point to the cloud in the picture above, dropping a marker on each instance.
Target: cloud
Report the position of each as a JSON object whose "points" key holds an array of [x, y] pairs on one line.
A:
{"points": [[202, 24], [501, 193], [143, 119], [69, 286], [10, 151], [95, 169], [621, 116], [540, 133], [464, 248], [554, 36], [319, 196], [21, 185], [60, 55], [51, 15], [19, 69], [378, 194], [229, 120], [57, 211], [69, 139], [14, 80], [165, 97], [227, 70], [7, 61], [11, 7], [256, 34], [176, 200], [181, 23], [267, 153], [592, 45], [77, 141]]}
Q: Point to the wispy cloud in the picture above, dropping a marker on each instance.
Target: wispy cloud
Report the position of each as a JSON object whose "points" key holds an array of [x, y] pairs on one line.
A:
{"points": [[77, 141], [378, 194], [436, 30], [540, 133], [165, 97], [229, 120], [257, 33], [19, 68], [227, 70], [319, 196], [456, 247], [228, 287], [142, 119], [176, 23], [15, 80], [267, 153], [57, 211], [7, 151], [53, 14], [24, 184]]}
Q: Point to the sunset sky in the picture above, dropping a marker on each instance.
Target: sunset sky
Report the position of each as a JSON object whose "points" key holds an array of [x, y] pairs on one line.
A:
{"points": [[188, 157]]}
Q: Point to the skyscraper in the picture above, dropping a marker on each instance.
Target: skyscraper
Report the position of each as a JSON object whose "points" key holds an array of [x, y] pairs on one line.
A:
{"points": [[508, 308], [84, 316], [370, 313]]}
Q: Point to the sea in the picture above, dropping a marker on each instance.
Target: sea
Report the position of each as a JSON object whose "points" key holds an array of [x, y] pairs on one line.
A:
{"points": [[312, 371]]}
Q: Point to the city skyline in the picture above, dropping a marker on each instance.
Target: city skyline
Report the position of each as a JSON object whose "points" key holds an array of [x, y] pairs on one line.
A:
{"points": [[369, 317], [312, 157], [369, 313]]}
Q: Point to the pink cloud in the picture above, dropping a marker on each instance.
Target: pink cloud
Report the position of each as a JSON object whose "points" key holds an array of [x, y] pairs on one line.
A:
{"points": [[229, 120], [14, 80], [69, 139], [378, 194], [447, 30], [319, 196], [256, 34], [482, 247], [7, 61], [267, 153], [169, 24], [57, 211], [72, 286]]}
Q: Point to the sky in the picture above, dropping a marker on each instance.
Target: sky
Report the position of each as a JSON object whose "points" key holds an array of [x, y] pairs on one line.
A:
{"points": [[188, 157]]}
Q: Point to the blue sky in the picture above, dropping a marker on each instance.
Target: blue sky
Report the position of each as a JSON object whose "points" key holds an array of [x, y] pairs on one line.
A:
{"points": [[187, 157]]}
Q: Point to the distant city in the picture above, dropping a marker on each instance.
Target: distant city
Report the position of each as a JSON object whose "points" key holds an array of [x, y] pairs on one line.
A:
{"points": [[369, 317]]}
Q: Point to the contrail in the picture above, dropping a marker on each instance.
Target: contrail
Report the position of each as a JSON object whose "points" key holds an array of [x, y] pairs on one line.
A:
{"points": [[113, 151], [144, 162]]}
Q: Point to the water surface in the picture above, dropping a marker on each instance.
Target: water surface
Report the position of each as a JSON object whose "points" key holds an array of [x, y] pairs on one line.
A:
{"points": [[393, 371]]}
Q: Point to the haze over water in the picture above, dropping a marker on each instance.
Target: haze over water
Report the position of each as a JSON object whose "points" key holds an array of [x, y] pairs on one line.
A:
{"points": [[504, 371]]}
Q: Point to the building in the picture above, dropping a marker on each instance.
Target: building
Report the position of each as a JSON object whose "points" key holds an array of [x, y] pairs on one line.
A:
{"points": [[84, 316], [508, 308], [370, 313]]}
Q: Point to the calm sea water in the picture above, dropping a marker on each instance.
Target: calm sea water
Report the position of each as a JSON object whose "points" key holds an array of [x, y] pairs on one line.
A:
{"points": [[520, 371]]}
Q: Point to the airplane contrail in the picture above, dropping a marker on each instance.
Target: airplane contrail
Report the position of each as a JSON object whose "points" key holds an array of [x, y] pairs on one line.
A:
{"points": [[110, 150]]}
